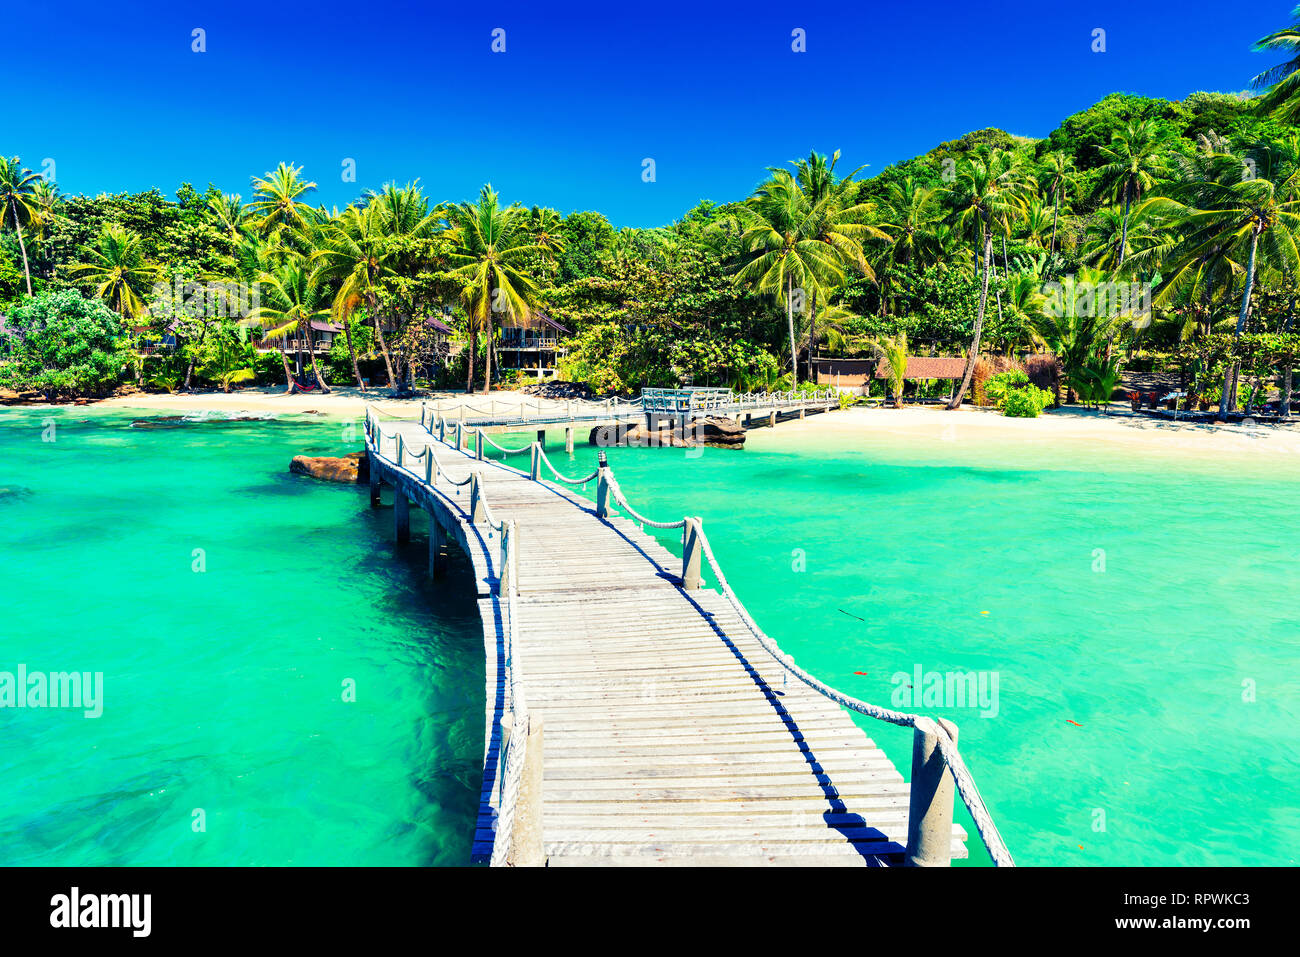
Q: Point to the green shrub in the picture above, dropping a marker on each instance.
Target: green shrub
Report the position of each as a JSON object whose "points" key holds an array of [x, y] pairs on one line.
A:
{"points": [[1000, 385], [1026, 402]]}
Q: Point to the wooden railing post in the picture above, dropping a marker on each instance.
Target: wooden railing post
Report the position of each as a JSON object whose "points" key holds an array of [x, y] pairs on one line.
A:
{"points": [[475, 498], [428, 466], [374, 479], [691, 552], [478, 445], [929, 815], [442, 429], [535, 465], [503, 559], [526, 848], [401, 447], [602, 487]]}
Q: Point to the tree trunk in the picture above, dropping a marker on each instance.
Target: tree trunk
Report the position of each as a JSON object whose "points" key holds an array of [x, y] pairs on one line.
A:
{"points": [[487, 357], [469, 345], [1285, 405], [979, 326], [812, 337], [320, 379], [288, 375], [1123, 234], [383, 347], [1230, 377], [1056, 207], [356, 369], [789, 318], [27, 272]]}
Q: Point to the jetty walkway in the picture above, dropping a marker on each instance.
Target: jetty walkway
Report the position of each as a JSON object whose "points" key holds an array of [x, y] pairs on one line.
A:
{"points": [[636, 714]]}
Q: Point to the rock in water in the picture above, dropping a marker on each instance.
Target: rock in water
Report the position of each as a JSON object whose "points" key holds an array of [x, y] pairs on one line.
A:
{"points": [[349, 469], [714, 432]]}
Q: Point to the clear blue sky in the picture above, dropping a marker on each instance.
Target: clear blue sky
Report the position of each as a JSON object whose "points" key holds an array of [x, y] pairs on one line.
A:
{"points": [[711, 91]]}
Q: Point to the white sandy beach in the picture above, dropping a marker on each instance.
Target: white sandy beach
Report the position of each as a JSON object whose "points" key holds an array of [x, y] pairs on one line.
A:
{"points": [[1070, 426]]}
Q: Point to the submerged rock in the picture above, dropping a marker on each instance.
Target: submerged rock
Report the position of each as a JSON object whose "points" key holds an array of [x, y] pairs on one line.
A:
{"points": [[11, 493], [349, 469], [714, 432]]}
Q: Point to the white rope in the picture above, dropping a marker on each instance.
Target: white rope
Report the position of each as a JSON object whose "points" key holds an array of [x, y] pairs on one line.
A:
{"points": [[569, 481], [502, 448], [512, 768], [623, 503], [961, 775]]}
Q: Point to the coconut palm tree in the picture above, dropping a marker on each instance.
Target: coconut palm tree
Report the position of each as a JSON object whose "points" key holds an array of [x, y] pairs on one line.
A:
{"points": [[989, 193], [118, 270], [544, 227], [291, 298], [277, 208], [1132, 163], [351, 256], [1055, 178], [17, 204], [490, 246], [1281, 83], [894, 352], [1251, 220], [228, 214], [788, 242]]}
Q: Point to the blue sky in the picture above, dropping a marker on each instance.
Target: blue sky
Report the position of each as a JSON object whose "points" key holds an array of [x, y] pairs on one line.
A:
{"points": [[712, 92]]}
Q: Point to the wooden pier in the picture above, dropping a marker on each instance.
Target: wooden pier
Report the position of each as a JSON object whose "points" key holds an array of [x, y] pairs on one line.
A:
{"points": [[633, 715]]}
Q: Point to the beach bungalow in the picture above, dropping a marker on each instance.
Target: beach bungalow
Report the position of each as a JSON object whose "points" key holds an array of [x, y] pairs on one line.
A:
{"points": [[536, 348], [854, 374]]}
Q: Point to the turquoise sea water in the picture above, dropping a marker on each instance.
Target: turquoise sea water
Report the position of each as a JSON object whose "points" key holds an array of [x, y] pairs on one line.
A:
{"points": [[223, 687]]}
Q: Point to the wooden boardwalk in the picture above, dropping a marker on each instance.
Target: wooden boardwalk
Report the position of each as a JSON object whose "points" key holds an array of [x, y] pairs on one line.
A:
{"points": [[671, 736]]}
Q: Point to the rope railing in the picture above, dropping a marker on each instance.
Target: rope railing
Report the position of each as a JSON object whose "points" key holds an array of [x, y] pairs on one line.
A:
{"points": [[556, 472], [947, 746]]}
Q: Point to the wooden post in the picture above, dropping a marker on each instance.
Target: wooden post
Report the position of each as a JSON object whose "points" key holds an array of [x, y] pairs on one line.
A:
{"points": [[401, 447], [771, 419], [475, 498], [803, 413], [541, 436], [437, 547], [402, 515], [374, 480], [503, 561], [568, 439], [691, 552], [478, 446], [535, 465], [526, 849], [929, 815], [428, 466], [442, 429], [602, 488]]}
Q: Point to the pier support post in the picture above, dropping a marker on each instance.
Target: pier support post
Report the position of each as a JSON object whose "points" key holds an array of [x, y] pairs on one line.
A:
{"points": [[402, 515], [476, 510], [535, 463], [568, 439], [771, 419], [929, 814], [374, 480], [803, 413], [437, 548], [526, 848], [691, 552], [602, 488]]}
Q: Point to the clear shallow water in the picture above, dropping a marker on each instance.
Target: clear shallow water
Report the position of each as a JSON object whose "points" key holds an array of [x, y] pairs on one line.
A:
{"points": [[223, 690], [982, 555]]}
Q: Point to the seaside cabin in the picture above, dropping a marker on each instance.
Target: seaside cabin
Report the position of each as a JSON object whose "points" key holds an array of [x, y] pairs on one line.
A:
{"points": [[854, 375], [536, 349]]}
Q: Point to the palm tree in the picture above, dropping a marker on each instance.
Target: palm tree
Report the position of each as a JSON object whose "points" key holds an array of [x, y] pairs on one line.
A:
{"points": [[1282, 82], [544, 226], [1253, 216], [17, 194], [989, 193], [118, 270], [1132, 164], [291, 299], [789, 240], [278, 207], [490, 246], [351, 255], [894, 352], [228, 214], [1056, 177], [1074, 334]]}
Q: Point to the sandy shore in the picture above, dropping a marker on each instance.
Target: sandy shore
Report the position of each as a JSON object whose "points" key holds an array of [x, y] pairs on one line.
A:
{"points": [[1072, 426]]}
